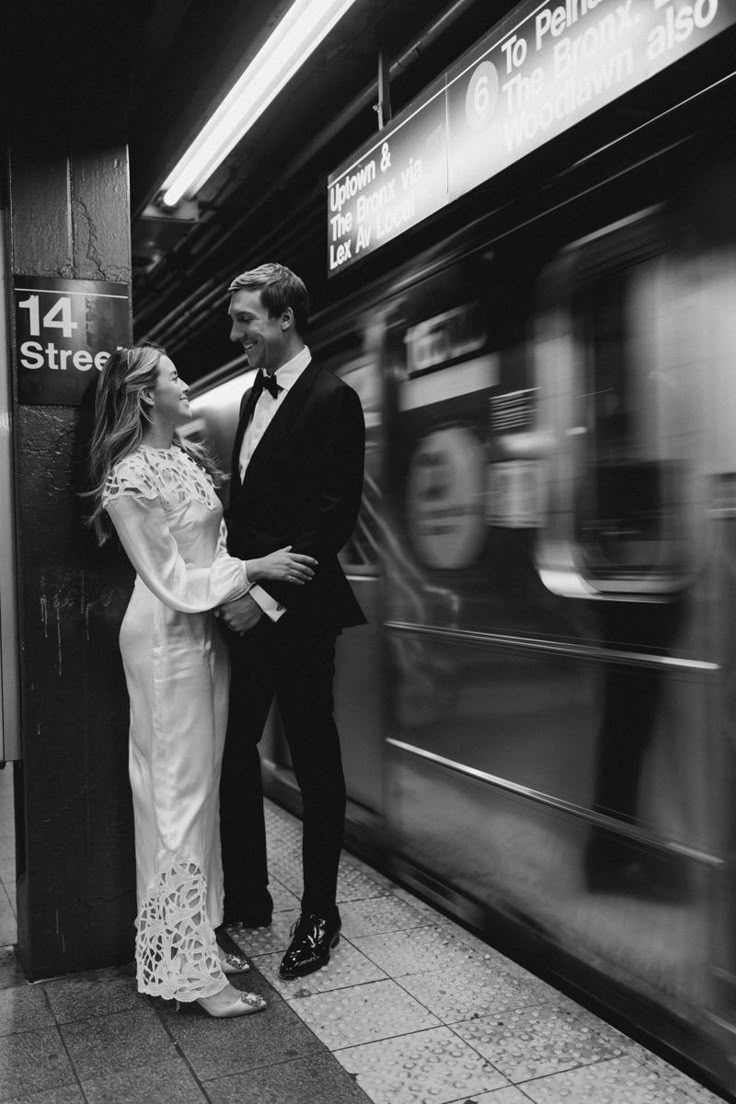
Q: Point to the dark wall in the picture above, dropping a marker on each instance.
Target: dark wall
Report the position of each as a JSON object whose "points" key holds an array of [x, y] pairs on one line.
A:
{"points": [[69, 218]]}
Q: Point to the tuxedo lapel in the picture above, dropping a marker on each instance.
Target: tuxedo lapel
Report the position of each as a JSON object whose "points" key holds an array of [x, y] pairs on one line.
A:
{"points": [[247, 405], [290, 408], [248, 408]]}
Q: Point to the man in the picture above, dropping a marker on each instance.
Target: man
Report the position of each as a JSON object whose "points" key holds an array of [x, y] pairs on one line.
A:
{"points": [[297, 477]]}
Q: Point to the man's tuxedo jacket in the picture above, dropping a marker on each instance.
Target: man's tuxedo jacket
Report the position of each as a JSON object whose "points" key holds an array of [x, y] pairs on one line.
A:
{"points": [[303, 487]]}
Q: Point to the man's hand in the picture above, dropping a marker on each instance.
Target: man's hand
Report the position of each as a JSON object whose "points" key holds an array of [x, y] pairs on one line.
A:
{"points": [[241, 614]]}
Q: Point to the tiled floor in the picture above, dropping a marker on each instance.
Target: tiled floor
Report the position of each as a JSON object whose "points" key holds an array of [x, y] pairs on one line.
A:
{"points": [[410, 1010]]}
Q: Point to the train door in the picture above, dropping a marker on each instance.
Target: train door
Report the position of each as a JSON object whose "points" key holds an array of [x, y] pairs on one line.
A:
{"points": [[633, 351], [9, 713], [618, 360], [548, 624]]}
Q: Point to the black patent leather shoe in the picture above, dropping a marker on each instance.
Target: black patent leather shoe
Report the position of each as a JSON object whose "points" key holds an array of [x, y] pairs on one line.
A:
{"points": [[313, 939]]}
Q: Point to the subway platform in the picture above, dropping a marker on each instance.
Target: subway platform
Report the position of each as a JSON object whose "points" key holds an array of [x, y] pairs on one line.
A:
{"points": [[411, 1009]]}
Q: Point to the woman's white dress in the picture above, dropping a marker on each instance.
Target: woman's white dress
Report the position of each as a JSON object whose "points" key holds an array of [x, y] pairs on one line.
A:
{"points": [[169, 520]]}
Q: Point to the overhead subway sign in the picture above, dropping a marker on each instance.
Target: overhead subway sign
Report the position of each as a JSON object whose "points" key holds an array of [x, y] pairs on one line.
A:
{"points": [[545, 68]]}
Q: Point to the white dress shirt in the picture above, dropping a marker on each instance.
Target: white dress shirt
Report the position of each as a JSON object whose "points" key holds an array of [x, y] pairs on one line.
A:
{"points": [[266, 408]]}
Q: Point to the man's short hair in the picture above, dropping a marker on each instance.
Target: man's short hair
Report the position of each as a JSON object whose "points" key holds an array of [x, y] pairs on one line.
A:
{"points": [[280, 288]]}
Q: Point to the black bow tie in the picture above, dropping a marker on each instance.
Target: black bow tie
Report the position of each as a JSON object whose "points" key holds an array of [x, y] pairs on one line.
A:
{"points": [[269, 382]]}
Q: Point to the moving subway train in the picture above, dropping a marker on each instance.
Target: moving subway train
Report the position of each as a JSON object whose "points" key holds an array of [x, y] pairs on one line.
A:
{"points": [[538, 723]]}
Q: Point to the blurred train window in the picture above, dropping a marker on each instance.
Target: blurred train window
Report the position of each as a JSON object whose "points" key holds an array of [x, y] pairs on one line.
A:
{"points": [[615, 368]]}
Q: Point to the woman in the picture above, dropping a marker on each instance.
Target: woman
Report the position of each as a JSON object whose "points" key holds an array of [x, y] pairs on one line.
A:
{"points": [[158, 492]]}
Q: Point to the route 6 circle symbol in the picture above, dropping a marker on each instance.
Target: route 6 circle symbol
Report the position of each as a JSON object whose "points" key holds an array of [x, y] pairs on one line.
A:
{"points": [[481, 96]]}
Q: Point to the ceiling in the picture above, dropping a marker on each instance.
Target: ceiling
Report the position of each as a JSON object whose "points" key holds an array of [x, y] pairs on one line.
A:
{"points": [[66, 66], [268, 201]]}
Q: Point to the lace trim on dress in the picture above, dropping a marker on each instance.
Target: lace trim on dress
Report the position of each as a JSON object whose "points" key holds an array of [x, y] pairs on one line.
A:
{"points": [[175, 948], [168, 474]]}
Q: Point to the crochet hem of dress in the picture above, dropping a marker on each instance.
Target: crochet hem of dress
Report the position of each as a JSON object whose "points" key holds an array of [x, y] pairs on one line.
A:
{"points": [[186, 997]]}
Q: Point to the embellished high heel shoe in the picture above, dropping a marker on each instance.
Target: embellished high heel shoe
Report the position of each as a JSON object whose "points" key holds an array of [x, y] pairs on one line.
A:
{"points": [[232, 963], [229, 1002]]}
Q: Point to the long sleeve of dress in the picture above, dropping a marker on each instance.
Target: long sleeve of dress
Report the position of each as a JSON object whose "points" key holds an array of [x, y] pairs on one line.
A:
{"points": [[144, 533]]}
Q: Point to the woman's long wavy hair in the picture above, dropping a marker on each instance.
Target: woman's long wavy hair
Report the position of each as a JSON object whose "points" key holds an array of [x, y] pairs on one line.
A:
{"points": [[121, 416]]}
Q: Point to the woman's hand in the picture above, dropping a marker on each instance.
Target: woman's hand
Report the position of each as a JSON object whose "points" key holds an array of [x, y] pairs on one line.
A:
{"points": [[282, 566]]}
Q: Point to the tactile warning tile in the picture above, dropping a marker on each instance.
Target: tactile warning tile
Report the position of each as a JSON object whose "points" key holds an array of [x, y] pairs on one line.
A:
{"points": [[378, 914], [283, 899], [354, 884], [533, 1042], [284, 834], [615, 1038], [459, 934], [286, 866], [362, 1014], [417, 903], [284, 847], [347, 966], [475, 991], [256, 941], [356, 880], [615, 1082], [455, 931], [419, 949], [276, 812], [427, 1066], [500, 1096]]}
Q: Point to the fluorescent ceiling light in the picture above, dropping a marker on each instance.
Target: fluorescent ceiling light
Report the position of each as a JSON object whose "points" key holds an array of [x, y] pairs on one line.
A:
{"points": [[299, 33]]}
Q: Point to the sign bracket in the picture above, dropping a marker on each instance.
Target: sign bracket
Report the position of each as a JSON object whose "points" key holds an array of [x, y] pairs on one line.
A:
{"points": [[383, 107]]}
